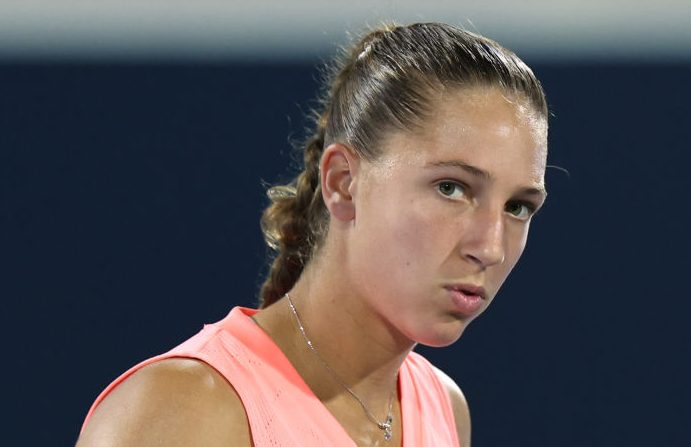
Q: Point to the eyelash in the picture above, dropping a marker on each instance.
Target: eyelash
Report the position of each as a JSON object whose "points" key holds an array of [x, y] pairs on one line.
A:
{"points": [[529, 207], [453, 184]]}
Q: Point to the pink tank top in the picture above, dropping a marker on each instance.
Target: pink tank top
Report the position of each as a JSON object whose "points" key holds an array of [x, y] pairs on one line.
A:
{"points": [[271, 390]]}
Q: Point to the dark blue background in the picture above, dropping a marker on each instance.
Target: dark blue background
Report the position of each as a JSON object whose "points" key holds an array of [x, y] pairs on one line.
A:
{"points": [[129, 214]]}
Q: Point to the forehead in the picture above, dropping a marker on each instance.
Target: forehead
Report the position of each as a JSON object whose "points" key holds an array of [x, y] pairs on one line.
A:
{"points": [[479, 126]]}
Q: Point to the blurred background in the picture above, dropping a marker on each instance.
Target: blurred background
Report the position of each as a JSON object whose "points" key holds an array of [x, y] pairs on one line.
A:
{"points": [[136, 138]]}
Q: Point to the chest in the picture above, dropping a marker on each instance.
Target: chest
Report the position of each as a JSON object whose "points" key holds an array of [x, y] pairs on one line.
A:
{"points": [[361, 429]]}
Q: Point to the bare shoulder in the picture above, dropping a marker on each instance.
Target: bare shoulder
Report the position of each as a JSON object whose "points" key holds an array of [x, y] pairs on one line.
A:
{"points": [[173, 402], [460, 406]]}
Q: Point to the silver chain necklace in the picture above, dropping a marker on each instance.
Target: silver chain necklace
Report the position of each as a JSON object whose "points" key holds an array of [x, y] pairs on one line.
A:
{"points": [[385, 426]]}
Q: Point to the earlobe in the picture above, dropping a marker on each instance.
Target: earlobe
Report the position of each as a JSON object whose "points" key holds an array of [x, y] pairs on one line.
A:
{"points": [[338, 166]]}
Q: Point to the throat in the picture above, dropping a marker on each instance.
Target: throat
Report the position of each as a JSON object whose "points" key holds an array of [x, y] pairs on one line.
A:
{"points": [[354, 372], [356, 380]]}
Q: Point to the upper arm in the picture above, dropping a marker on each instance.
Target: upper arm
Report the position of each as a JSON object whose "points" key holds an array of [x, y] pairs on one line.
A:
{"points": [[459, 405], [173, 402]]}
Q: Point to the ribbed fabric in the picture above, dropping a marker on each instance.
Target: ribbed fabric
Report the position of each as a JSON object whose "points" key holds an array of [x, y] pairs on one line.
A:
{"points": [[281, 408]]}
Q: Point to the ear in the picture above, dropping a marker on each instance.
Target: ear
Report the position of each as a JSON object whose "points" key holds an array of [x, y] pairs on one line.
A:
{"points": [[339, 165]]}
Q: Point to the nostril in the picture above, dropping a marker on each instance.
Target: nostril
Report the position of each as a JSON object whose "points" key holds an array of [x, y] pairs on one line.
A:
{"points": [[475, 259]]}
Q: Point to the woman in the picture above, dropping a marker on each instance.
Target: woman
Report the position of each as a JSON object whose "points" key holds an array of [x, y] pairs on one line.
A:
{"points": [[414, 205]]}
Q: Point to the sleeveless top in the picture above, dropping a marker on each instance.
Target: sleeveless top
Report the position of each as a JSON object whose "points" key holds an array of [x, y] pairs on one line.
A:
{"points": [[281, 408]]}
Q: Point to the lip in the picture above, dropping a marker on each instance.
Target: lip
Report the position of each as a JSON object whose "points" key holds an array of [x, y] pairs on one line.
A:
{"points": [[467, 298], [468, 289]]}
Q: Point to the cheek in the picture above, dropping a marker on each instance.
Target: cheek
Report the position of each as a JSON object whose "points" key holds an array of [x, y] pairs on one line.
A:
{"points": [[406, 240], [517, 244], [514, 250]]}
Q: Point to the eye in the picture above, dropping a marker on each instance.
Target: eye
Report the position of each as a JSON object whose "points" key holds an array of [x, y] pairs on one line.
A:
{"points": [[452, 190], [521, 210]]}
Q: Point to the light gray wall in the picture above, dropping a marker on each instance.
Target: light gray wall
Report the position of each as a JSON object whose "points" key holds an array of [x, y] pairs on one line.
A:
{"points": [[269, 29]]}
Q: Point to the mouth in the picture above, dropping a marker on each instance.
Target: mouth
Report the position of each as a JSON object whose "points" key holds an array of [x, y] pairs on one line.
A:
{"points": [[468, 299], [468, 290]]}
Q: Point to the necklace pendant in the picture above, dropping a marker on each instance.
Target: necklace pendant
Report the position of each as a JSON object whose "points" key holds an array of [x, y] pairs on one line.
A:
{"points": [[386, 426]]}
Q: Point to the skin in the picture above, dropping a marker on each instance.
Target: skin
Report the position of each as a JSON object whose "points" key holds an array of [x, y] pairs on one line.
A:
{"points": [[445, 204]]}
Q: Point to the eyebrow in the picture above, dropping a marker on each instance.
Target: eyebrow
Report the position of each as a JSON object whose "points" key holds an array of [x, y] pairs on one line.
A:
{"points": [[484, 175]]}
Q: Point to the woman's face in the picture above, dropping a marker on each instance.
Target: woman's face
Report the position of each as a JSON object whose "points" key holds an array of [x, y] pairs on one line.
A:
{"points": [[442, 216]]}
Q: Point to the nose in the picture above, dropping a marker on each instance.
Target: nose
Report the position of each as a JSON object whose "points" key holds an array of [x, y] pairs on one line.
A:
{"points": [[483, 238]]}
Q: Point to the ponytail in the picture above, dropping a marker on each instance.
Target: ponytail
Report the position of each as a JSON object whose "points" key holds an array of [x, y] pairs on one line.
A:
{"points": [[294, 223]]}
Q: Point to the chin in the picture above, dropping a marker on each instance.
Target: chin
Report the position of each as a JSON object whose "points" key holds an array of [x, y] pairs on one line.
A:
{"points": [[445, 336]]}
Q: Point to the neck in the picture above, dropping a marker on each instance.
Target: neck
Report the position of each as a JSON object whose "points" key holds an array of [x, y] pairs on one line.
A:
{"points": [[361, 349]]}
